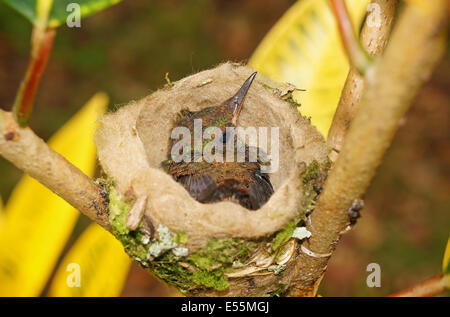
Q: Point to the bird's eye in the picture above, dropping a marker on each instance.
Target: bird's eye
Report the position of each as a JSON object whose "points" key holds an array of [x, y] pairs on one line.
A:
{"points": [[224, 138]]}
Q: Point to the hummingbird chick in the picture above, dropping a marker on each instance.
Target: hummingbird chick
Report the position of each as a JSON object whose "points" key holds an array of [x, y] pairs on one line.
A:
{"points": [[208, 182]]}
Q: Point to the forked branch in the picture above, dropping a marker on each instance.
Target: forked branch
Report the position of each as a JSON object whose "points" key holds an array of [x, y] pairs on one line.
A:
{"points": [[390, 88], [374, 36], [356, 53]]}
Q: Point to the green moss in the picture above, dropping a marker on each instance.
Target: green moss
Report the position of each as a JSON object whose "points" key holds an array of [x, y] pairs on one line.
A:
{"points": [[180, 237], [173, 273], [119, 208], [224, 251], [207, 266], [203, 262], [118, 211], [292, 101], [216, 258], [214, 279], [311, 172], [314, 172], [133, 245], [277, 292], [284, 235], [309, 177], [286, 95]]}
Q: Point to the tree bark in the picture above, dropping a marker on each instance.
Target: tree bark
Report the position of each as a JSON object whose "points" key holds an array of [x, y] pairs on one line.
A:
{"points": [[33, 156]]}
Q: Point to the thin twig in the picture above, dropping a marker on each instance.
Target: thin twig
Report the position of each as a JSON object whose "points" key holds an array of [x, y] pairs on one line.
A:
{"points": [[32, 155], [432, 287], [355, 52], [373, 38], [390, 88]]}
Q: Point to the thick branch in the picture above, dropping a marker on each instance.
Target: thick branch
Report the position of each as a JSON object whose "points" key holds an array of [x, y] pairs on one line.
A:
{"points": [[390, 88], [373, 38], [32, 155]]}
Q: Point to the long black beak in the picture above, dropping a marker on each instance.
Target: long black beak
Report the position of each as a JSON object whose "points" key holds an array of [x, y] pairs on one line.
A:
{"points": [[237, 100]]}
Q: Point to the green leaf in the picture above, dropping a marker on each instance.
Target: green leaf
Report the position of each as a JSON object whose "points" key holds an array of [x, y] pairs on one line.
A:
{"points": [[25, 7], [58, 14]]}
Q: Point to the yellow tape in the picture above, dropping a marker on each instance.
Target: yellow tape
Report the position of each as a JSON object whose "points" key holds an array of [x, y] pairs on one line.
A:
{"points": [[304, 49], [96, 265], [38, 223]]}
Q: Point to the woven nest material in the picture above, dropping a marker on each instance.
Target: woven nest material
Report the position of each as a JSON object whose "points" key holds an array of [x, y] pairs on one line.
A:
{"points": [[133, 141]]}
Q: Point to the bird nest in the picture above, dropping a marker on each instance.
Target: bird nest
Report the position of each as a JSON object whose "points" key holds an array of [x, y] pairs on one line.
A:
{"points": [[205, 248]]}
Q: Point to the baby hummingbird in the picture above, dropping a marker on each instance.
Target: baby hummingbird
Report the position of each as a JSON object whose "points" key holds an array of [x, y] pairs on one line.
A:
{"points": [[208, 182]]}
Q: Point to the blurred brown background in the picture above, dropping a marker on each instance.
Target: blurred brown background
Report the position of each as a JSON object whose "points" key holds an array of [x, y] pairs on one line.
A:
{"points": [[126, 51]]}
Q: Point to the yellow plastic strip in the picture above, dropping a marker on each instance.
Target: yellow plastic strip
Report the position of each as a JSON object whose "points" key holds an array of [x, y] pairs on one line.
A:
{"points": [[304, 49], [37, 222], [96, 265]]}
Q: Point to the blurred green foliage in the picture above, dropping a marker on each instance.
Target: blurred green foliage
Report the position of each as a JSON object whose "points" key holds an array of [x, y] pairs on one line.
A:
{"points": [[58, 12]]}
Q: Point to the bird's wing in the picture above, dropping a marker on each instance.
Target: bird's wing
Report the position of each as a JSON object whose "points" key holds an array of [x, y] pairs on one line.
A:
{"points": [[260, 190], [199, 187]]}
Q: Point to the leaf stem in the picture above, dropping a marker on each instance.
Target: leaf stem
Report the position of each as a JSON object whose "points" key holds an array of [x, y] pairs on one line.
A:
{"points": [[43, 8], [41, 46], [432, 287], [357, 55]]}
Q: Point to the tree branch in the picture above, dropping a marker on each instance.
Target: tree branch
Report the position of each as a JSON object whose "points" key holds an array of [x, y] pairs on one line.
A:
{"points": [[390, 88], [373, 38], [32, 155]]}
